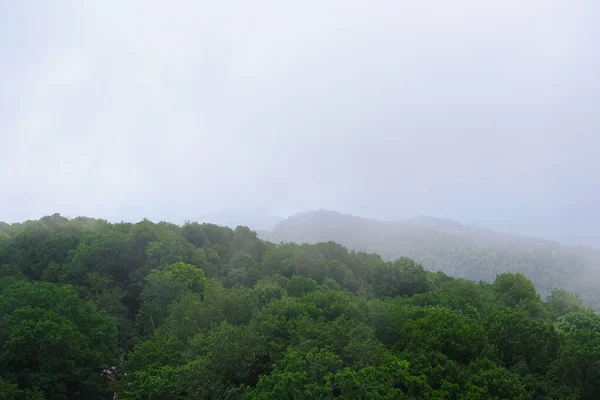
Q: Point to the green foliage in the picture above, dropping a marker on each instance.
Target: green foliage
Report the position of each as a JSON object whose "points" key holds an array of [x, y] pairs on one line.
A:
{"points": [[339, 272], [517, 338], [267, 290], [462, 251], [299, 376], [11, 270], [578, 361], [438, 329], [12, 392], [299, 286], [517, 291], [514, 288], [242, 270], [205, 312], [163, 286], [560, 302], [52, 341], [194, 234], [485, 380], [403, 277], [468, 297]]}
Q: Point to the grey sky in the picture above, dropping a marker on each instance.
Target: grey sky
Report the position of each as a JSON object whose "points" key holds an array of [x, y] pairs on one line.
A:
{"points": [[484, 110]]}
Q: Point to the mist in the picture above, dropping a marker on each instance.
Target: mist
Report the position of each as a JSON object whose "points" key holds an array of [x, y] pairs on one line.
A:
{"points": [[482, 112]]}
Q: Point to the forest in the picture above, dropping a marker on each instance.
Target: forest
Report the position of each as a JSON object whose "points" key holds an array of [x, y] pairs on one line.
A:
{"points": [[90, 309], [459, 250]]}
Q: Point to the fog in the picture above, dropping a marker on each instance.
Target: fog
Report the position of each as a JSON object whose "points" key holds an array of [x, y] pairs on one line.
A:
{"points": [[474, 111]]}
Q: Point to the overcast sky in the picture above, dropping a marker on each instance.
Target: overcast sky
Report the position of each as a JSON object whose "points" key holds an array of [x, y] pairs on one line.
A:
{"points": [[483, 111]]}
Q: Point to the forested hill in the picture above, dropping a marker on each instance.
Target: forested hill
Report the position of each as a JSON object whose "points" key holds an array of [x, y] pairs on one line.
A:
{"points": [[160, 311], [464, 251]]}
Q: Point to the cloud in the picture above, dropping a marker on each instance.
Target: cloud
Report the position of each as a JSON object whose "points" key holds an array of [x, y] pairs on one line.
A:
{"points": [[127, 109]]}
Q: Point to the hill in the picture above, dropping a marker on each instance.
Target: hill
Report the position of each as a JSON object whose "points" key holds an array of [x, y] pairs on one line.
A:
{"points": [[254, 220], [465, 251], [91, 309]]}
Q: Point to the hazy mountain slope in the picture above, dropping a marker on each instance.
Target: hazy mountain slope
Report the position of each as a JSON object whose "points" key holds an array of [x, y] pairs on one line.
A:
{"points": [[253, 220], [201, 311], [460, 250]]}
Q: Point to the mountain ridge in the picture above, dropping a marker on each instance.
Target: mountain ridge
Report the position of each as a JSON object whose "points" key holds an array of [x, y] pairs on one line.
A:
{"points": [[432, 223], [465, 251]]}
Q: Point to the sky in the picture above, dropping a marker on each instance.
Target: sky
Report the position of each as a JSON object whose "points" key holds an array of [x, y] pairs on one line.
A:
{"points": [[481, 111]]}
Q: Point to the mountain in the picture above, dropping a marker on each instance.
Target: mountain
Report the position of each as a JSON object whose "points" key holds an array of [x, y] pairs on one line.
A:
{"points": [[207, 312], [465, 251], [253, 220]]}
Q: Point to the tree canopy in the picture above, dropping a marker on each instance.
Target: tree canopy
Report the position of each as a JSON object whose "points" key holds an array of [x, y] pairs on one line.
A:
{"points": [[159, 311], [459, 250]]}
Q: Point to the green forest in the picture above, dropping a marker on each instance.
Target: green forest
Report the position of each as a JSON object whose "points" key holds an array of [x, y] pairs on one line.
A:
{"points": [[459, 250], [90, 309]]}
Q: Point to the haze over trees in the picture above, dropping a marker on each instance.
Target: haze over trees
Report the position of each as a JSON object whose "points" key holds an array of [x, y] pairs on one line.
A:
{"points": [[485, 113], [463, 251], [199, 311], [232, 112]]}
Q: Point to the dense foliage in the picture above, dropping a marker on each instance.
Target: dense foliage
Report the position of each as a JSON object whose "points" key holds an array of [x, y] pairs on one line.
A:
{"points": [[462, 251], [159, 311]]}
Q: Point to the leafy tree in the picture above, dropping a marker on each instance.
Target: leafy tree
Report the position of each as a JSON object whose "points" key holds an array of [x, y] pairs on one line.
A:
{"points": [[221, 314], [578, 360], [404, 277], [519, 292], [246, 240], [11, 270], [194, 233], [12, 391], [163, 286], [473, 299], [268, 290], [107, 254], [461, 251], [242, 270], [220, 238], [5, 228], [560, 302], [485, 380], [341, 274], [435, 328], [299, 286], [52, 341], [300, 376], [517, 338]]}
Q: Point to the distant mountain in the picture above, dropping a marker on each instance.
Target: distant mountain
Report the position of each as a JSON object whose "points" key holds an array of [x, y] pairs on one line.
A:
{"points": [[232, 219], [460, 250]]}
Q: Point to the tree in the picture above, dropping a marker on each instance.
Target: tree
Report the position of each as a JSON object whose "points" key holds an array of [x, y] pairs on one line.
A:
{"points": [[163, 286], [193, 233], [222, 314], [52, 341], [392, 380], [341, 274], [5, 228], [517, 338], [560, 302], [299, 286], [486, 379], [299, 376], [578, 360], [242, 270], [404, 277], [246, 240], [457, 336], [518, 292], [12, 391]]}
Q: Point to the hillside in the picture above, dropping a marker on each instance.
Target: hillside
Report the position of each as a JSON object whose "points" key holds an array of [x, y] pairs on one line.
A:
{"points": [[460, 250], [253, 220], [91, 309]]}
